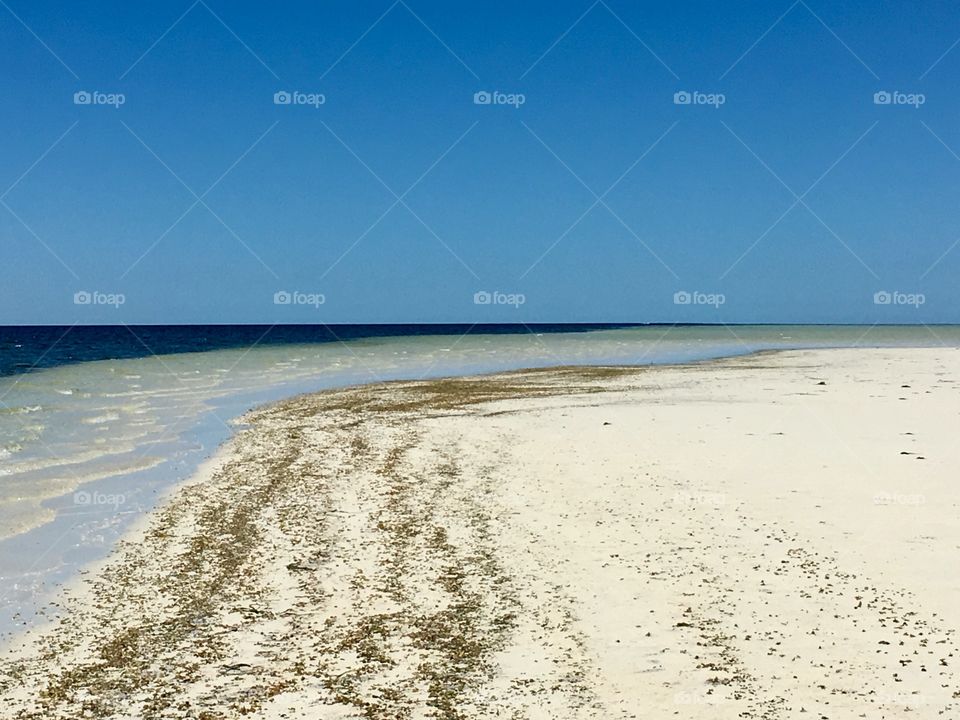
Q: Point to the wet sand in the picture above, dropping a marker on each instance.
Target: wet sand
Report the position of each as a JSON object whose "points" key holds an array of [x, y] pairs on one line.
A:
{"points": [[774, 536]]}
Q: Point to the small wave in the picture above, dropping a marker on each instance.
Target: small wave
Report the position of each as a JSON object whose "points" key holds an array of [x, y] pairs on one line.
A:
{"points": [[81, 467], [21, 409], [100, 419], [9, 450]]}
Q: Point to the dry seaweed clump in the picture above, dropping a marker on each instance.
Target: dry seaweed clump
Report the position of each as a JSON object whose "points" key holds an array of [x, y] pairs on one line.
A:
{"points": [[459, 393]]}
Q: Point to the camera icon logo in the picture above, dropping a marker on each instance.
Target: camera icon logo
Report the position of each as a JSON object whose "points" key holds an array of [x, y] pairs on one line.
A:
{"points": [[82, 97], [82, 298], [282, 98], [482, 98], [81, 497], [682, 98], [882, 298], [282, 297], [482, 298], [682, 298], [882, 98]]}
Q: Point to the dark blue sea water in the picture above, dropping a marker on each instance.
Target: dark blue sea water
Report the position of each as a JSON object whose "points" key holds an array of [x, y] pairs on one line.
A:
{"points": [[25, 348]]}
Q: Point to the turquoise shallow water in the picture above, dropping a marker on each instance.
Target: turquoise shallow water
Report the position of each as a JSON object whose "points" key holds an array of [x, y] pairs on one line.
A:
{"points": [[87, 447]]}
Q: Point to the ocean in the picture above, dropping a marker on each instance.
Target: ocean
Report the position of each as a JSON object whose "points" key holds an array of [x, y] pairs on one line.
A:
{"points": [[97, 422]]}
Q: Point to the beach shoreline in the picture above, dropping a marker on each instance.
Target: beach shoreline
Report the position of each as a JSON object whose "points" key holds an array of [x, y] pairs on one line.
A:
{"points": [[567, 542]]}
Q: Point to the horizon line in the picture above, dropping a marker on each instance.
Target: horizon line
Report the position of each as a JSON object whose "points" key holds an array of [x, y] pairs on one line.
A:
{"points": [[471, 325]]}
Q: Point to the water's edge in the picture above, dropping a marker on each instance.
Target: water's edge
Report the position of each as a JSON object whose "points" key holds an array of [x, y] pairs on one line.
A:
{"points": [[78, 537]]}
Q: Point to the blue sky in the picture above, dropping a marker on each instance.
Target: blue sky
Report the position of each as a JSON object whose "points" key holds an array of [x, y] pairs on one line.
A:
{"points": [[399, 198]]}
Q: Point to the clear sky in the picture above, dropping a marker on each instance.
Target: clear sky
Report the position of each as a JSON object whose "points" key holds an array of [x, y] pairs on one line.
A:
{"points": [[783, 192]]}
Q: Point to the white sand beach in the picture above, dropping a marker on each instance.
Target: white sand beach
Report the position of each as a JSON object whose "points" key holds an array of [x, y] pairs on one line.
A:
{"points": [[771, 536]]}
